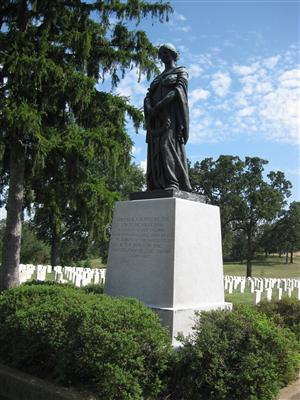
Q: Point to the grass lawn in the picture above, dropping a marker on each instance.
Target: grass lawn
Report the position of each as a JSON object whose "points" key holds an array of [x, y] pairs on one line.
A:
{"points": [[271, 267], [97, 263]]}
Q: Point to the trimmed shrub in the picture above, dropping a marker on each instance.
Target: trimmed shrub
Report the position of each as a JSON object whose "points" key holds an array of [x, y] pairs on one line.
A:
{"points": [[65, 334], [92, 288], [285, 312], [234, 355]]}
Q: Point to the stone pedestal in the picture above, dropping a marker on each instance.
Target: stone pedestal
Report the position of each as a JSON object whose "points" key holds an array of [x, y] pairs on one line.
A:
{"points": [[167, 253]]}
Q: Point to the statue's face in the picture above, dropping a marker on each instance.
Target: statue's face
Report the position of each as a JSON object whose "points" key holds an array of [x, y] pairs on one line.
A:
{"points": [[165, 55]]}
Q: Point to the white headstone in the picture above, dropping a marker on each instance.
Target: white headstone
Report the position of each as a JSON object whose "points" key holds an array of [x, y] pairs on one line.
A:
{"points": [[257, 296], [269, 294], [279, 294], [41, 273], [78, 280]]}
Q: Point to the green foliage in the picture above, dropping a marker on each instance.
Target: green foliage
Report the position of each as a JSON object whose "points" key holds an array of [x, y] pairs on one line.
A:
{"points": [[117, 346], [234, 355], [246, 199], [238, 249], [96, 289], [285, 312], [284, 234], [33, 250]]}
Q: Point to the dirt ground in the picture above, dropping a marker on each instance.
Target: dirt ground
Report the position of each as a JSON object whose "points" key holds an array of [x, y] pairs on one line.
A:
{"points": [[291, 392]]}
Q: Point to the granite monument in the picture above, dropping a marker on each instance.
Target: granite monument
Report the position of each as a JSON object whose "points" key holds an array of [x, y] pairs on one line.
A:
{"points": [[165, 248]]}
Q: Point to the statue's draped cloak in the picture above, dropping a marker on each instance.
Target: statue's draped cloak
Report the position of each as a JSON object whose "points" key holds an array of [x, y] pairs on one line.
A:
{"points": [[168, 132]]}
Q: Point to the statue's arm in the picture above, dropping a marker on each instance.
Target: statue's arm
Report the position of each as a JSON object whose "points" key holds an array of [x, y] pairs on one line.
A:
{"points": [[166, 100], [147, 104]]}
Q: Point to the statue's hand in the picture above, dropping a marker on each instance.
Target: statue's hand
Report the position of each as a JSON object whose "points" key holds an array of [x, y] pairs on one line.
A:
{"points": [[153, 111], [156, 108]]}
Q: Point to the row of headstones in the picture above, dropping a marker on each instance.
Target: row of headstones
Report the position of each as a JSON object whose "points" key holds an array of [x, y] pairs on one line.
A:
{"points": [[77, 275], [258, 286], [80, 276]]}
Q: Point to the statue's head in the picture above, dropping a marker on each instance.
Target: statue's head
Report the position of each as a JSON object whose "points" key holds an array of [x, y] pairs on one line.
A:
{"points": [[168, 48]]}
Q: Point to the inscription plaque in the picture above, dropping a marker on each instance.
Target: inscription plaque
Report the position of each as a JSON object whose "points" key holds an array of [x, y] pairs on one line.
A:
{"points": [[141, 236]]}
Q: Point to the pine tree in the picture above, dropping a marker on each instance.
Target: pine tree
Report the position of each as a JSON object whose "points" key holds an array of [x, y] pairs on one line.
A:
{"points": [[52, 55]]}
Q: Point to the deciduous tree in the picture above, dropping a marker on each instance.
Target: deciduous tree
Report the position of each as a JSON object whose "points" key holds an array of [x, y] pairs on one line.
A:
{"points": [[245, 197], [283, 235]]}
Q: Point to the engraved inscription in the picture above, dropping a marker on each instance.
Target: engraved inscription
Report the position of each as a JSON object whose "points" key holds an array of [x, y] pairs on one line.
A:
{"points": [[141, 236]]}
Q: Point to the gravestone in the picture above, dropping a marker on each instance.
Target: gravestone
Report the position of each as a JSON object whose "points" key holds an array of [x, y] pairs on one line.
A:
{"points": [[167, 253]]}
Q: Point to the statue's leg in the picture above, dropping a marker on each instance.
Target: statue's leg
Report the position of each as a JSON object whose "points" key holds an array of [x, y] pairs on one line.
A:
{"points": [[168, 160]]}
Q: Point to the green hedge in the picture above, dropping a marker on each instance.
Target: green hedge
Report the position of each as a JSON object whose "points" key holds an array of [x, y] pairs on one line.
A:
{"points": [[285, 312], [118, 348], [234, 355], [73, 337]]}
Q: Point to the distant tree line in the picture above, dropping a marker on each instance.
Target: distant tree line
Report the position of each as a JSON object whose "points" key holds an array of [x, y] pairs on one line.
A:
{"points": [[254, 216], [253, 208]]}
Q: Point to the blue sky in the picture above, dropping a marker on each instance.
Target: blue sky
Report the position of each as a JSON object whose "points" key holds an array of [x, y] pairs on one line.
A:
{"points": [[243, 61]]}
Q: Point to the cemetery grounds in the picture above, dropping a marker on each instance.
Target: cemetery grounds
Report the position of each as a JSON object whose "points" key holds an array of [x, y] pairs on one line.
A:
{"points": [[271, 267]]}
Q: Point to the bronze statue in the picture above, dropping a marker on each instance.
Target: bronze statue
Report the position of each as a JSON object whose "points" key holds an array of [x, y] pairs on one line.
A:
{"points": [[167, 123]]}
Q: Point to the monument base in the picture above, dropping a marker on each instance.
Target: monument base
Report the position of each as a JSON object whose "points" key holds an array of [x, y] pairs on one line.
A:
{"points": [[167, 193], [167, 253], [182, 320]]}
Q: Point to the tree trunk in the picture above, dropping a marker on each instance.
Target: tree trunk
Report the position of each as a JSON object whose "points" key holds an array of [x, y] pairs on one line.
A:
{"points": [[249, 254], [286, 257], [291, 257], [55, 248], [9, 274]]}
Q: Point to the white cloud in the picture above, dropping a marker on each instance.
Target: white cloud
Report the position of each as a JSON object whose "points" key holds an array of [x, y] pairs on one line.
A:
{"points": [[196, 112], [245, 112], [280, 112], [258, 98], [240, 100], [135, 150], [198, 94], [179, 17], [220, 83], [178, 23], [271, 61], [3, 213], [290, 79], [131, 87], [263, 87], [185, 28], [195, 70], [143, 165], [245, 69]]}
